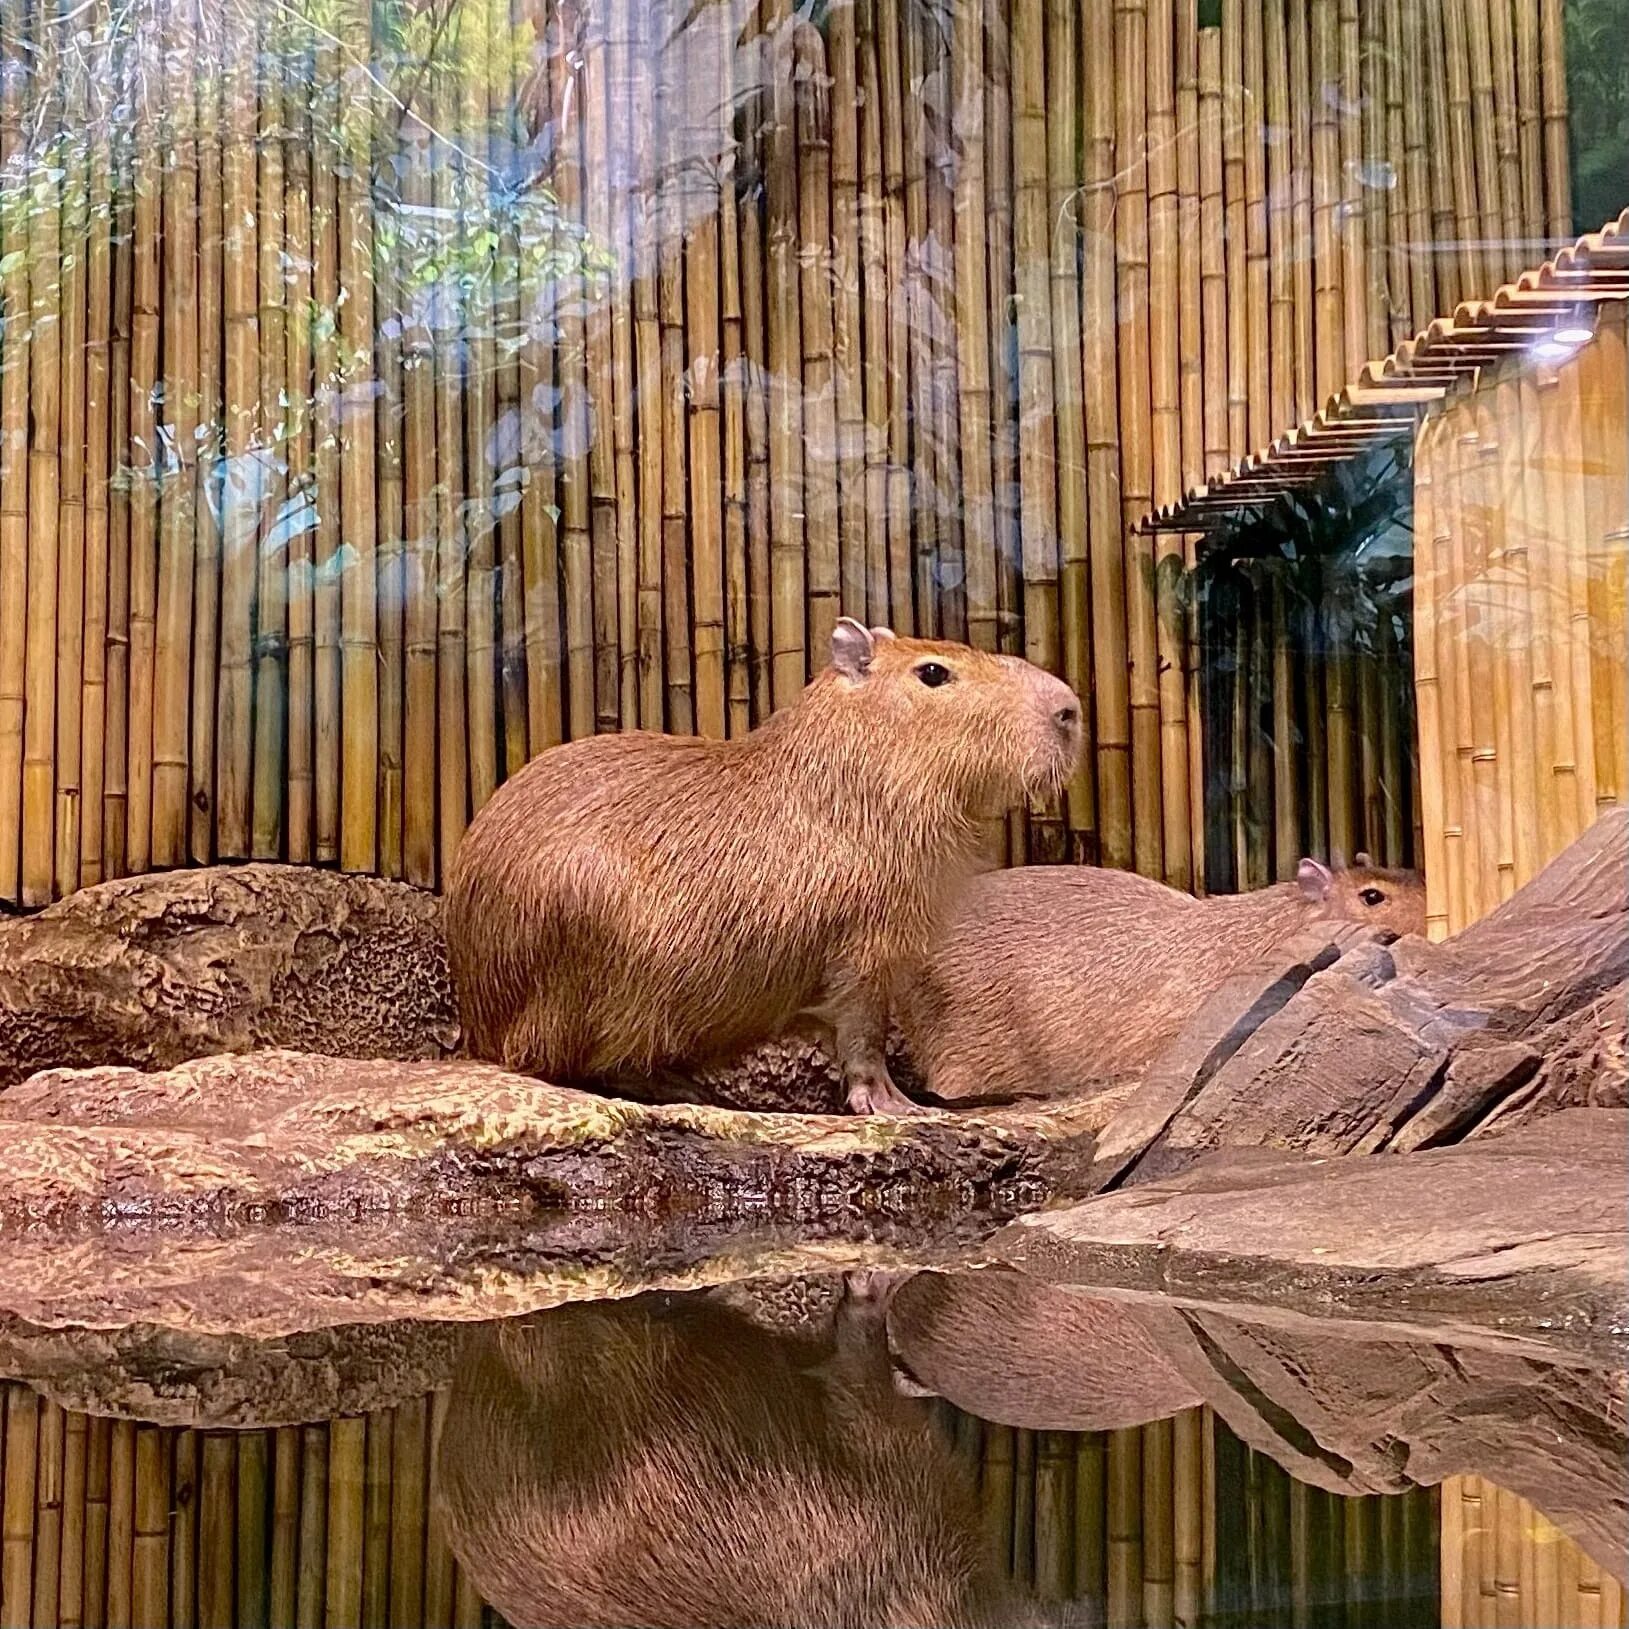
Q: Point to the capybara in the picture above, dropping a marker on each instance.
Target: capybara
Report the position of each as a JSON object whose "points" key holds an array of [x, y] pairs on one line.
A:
{"points": [[1055, 979], [665, 1461], [633, 905]]}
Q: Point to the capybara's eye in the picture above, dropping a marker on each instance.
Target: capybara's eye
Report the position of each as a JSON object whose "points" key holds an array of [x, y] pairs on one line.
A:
{"points": [[1372, 896], [934, 674]]}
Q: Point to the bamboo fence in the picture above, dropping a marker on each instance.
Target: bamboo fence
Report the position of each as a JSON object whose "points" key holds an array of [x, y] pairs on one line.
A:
{"points": [[109, 1525], [1522, 521], [388, 395]]}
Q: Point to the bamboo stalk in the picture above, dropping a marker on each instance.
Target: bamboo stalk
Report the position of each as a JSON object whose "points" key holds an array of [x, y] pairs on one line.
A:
{"points": [[1373, 150], [1512, 640], [1279, 351], [1398, 318], [17, 1506], [184, 1530], [300, 775], [738, 663], [1417, 163], [703, 342], [376, 1522], [71, 1570], [602, 541], [1124, 1486], [438, 1560], [72, 588], [946, 339], [1158, 1526], [1471, 223], [1261, 426], [647, 341], [97, 1545], [1002, 37], [1609, 577], [283, 1584], [1136, 458], [1302, 91], [206, 581], [1329, 308], [906, 611], [786, 474], [1063, 134], [918, 296], [234, 692], [14, 621], [1054, 1516], [47, 1542], [44, 480], [977, 502], [217, 1530], [1234, 189], [311, 1589], [1451, 1548], [1091, 1531], [997, 1491], [253, 1572], [1351, 220], [1213, 254], [347, 1456], [1553, 85], [1286, 759], [755, 342], [271, 599], [150, 1556], [855, 553], [409, 1472], [1021, 1552], [1341, 734], [1437, 687], [873, 328], [121, 1524], [1188, 1500]]}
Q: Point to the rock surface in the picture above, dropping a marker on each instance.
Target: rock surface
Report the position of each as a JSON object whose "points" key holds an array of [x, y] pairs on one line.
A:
{"points": [[1515, 1242], [150, 971]]}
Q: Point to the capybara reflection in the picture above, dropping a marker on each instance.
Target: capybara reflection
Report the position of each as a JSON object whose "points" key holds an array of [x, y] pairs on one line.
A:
{"points": [[1053, 979], [665, 1461], [1008, 1348], [636, 904]]}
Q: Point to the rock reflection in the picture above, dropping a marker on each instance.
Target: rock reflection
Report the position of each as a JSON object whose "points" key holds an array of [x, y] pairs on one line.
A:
{"points": [[673, 1461]]}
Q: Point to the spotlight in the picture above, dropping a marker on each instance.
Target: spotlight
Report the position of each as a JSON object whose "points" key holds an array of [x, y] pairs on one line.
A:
{"points": [[1574, 334]]}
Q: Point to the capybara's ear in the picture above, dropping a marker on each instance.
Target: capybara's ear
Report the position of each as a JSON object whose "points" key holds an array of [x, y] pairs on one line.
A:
{"points": [[1315, 879], [852, 647], [882, 633], [1362, 859]]}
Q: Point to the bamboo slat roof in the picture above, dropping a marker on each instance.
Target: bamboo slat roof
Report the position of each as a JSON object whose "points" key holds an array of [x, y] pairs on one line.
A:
{"points": [[1389, 397]]}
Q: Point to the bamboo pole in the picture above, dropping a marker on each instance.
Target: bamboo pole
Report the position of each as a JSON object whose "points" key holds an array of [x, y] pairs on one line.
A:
{"points": [[1341, 730], [1470, 222], [1573, 513], [253, 1511], [376, 1558], [1609, 576], [72, 433], [1213, 254], [71, 1570], [1003, 279], [438, 1560], [206, 581], [40, 765], [271, 599], [1374, 149], [121, 1524], [1063, 134], [217, 1531], [234, 693], [1529, 121], [998, 1491], [1507, 139], [1165, 470], [1398, 314], [738, 663], [1436, 689], [1551, 464], [300, 775], [1021, 1554], [951, 573], [1279, 223], [283, 1582], [1124, 1497], [347, 1457], [1235, 187], [1054, 1515], [182, 1451], [47, 1541], [310, 1602], [906, 611], [1188, 1501], [1302, 91], [1416, 162], [1286, 760], [1136, 456], [1100, 323], [874, 329], [1091, 1530], [1158, 1525], [14, 621], [755, 342], [1512, 640], [1257, 279], [1553, 86], [602, 520], [1351, 219], [1451, 1548], [17, 1507], [150, 1556], [855, 554], [97, 1540], [1329, 310], [410, 1468]]}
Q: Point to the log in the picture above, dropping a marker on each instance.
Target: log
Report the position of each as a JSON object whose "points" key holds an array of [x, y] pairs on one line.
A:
{"points": [[151, 971]]}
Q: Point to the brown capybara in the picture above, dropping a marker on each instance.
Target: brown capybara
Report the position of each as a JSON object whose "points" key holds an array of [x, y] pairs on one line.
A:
{"points": [[1055, 979], [634, 905], [665, 1461]]}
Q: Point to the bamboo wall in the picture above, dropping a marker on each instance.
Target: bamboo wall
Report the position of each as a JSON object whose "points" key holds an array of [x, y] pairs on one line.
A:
{"points": [[340, 472], [1503, 1562], [1522, 553]]}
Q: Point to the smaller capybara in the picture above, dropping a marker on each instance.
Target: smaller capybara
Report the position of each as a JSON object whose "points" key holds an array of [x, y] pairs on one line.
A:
{"points": [[1055, 979], [633, 906], [665, 1463]]}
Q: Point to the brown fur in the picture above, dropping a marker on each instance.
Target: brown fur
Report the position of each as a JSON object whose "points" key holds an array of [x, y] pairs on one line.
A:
{"points": [[639, 903], [664, 1461], [1053, 979]]}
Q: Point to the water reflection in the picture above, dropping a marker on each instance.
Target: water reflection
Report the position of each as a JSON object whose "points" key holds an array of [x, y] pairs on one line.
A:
{"points": [[936, 1448]]}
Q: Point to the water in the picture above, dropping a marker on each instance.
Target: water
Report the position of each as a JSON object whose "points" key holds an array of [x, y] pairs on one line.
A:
{"points": [[860, 1449]]}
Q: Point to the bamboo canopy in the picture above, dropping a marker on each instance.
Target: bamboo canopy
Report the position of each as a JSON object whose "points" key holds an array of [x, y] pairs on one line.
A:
{"points": [[387, 395]]}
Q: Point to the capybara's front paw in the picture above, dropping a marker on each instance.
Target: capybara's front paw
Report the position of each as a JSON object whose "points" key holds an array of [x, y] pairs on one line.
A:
{"points": [[875, 1093]]}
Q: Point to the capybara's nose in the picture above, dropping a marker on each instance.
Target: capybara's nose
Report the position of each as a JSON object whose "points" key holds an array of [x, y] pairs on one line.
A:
{"points": [[1067, 718]]}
